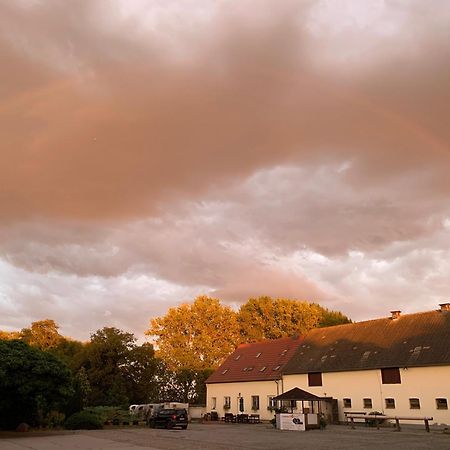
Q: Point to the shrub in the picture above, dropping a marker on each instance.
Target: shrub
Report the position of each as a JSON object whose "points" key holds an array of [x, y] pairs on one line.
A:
{"points": [[374, 422], [84, 420]]}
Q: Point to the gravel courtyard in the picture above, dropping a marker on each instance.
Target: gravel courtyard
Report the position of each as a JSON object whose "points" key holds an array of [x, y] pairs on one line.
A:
{"points": [[228, 437]]}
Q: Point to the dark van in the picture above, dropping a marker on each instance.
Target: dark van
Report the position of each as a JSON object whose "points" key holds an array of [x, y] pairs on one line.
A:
{"points": [[169, 418]]}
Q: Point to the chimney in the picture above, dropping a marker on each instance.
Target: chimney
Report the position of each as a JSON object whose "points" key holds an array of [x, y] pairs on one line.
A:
{"points": [[395, 314], [445, 307]]}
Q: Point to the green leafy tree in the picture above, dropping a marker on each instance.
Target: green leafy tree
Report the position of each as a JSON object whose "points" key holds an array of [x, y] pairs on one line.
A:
{"points": [[70, 351], [33, 383], [185, 385], [117, 369], [139, 373], [267, 318], [331, 318]]}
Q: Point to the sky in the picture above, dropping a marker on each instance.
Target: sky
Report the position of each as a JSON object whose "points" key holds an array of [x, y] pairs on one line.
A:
{"points": [[155, 150]]}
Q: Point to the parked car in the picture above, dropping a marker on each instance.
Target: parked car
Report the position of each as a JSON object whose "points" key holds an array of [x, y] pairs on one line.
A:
{"points": [[169, 418]]}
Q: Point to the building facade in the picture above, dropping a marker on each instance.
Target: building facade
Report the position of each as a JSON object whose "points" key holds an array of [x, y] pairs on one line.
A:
{"points": [[399, 366]]}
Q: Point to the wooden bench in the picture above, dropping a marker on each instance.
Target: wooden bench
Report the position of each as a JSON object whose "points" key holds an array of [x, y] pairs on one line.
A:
{"points": [[378, 418], [397, 419]]}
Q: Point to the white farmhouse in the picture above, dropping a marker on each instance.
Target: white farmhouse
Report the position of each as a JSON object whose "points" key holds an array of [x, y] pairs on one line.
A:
{"points": [[399, 366]]}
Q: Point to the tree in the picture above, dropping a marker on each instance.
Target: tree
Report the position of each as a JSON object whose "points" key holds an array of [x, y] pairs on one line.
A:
{"points": [[117, 369], [43, 334], [32, 384], [266, 318], [331, 318], [70, 351], [9, 335], [139, 373], [184, 385], [195, 336]]}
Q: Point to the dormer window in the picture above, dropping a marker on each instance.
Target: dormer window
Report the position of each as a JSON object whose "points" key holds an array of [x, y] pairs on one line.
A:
{"points": [[258, 355], [276, 368], [263, 369], [237, 357], [224, 371], [284, 352]]}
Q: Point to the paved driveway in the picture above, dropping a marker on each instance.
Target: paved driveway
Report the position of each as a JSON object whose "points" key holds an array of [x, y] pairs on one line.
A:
{"points": [[229, 437]]}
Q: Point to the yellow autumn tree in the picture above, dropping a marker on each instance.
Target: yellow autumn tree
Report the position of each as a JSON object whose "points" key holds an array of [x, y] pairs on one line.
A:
{"points": [[9, 335], [42, 334], [195, 336]]}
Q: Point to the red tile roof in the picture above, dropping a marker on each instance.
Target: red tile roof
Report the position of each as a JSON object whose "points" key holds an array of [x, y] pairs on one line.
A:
{"points": [[259, 361]]}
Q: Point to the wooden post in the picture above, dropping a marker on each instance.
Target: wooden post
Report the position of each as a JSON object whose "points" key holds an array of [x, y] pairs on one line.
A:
{"points": [[427, 425], [397, 424]]}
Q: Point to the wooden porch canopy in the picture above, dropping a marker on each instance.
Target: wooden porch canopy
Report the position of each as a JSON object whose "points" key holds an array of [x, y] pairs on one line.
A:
{"points": [[298, 394]]}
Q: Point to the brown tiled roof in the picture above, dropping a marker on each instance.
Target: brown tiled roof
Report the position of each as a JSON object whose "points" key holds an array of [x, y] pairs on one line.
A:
{"points": [[421, 339], [256, 362]]}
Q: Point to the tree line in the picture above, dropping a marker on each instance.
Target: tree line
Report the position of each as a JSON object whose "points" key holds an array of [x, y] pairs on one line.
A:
{"points": [[44, 375]]}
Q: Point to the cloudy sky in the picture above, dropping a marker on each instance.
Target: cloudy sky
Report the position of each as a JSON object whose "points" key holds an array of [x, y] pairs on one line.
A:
{"points": [[155, 150]]}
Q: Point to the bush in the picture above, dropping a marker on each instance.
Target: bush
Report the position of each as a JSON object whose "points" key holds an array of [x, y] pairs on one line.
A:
{"points": [[374, 422], [84, 420], [105, 413]]}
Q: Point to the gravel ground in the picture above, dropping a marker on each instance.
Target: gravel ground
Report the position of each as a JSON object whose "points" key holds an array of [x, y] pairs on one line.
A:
{"points": [[214, 436]]}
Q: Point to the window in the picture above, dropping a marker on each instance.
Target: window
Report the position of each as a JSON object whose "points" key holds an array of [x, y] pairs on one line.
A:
{"points": [[315, 379], [414, 403], [226, 402], [258, 355], [367, 402], [224, 371], [271, 403], [347, 402], [390, 376], [255, 402], [213, 402], [441, 403], [276, 367], [237, 357], [262, 369], [241, 404], [390, 403]]}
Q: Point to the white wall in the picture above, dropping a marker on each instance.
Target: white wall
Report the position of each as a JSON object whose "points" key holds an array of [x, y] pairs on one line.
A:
{"points": [[245, 390], [424, 383]]}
